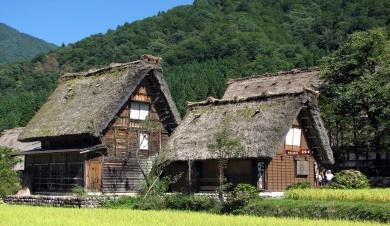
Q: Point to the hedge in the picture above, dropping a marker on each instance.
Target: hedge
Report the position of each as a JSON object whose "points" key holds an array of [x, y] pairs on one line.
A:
{"points": [[319, 210]]}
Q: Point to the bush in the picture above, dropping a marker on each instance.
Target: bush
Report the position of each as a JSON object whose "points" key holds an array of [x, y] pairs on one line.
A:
{"points": [[9, 178], [318, 209], [245, 192], [349, 179], [79, 191], [299, 185], [150, 203], [241, 196], [124, 202], [193, 202]]}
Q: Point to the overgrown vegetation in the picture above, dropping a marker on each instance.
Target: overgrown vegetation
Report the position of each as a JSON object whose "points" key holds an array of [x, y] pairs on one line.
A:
{"points": [[349, 179], [299, 185], [9, 179], [240, 197], [381, 195], [79, 191]]}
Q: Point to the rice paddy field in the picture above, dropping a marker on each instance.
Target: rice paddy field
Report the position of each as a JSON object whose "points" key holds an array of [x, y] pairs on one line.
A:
{"points": [[381, 195], [11, 215]]}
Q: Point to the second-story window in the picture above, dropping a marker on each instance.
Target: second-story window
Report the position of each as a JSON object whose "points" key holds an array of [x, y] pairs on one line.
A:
{"points": [[139, 110], [294, 137]]}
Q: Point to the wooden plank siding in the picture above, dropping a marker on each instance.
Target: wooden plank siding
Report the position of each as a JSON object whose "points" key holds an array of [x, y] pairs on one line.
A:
{"points": [[120, 170], [282, 169]]}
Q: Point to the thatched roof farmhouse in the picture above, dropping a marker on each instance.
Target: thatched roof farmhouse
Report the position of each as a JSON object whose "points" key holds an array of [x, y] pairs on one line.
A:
{"points": [[260, 111], [92, 124]]}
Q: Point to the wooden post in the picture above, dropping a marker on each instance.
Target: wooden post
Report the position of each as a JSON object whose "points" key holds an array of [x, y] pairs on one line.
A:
{"points": [[189, 176]]}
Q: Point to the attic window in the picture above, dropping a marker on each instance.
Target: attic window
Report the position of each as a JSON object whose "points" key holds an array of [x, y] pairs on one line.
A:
{"points": [[139, 110], [143, 141], [294, 137]]}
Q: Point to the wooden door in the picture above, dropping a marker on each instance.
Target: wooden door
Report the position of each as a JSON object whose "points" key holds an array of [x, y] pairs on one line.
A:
{"points": [[93, 176]]}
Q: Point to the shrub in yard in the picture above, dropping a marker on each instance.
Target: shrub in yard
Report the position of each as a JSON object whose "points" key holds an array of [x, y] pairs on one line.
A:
{"points": [[124, 202], [79, 191], [245, 192], [299, 185], [9, 179], [190, 202], [154, 202], [241, 196], [349, 179]]}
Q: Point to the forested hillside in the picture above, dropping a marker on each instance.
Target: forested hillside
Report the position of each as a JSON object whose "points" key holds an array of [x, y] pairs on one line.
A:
{"points": [[17, 46], [202, 45]]}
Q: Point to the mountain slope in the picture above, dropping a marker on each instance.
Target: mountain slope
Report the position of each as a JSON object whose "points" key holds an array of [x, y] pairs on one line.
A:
{"points": [[202, 45], [17, 46]]}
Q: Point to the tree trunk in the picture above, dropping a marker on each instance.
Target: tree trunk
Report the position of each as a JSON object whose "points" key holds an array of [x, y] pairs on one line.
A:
{"points": [[221, 175]]}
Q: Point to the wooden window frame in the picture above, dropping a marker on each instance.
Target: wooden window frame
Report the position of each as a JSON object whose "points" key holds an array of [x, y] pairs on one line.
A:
{"points": [[139, 110]]}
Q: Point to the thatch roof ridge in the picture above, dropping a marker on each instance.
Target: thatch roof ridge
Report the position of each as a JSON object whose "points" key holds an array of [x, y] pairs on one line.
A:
{"points": [[94, 71], [273, 75], [214, 101], [283, 82]]}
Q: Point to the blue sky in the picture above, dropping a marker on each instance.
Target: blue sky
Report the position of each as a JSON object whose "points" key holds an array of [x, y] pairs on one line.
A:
{"points": [[68, 21]]}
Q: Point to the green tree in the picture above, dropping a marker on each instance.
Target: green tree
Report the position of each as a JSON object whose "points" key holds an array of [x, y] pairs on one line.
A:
{"points": [[8, 177], [224, 146], [358, 88]]}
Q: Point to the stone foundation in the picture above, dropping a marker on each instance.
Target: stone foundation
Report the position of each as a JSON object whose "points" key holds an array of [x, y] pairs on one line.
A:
{"points": [[54, 201]]}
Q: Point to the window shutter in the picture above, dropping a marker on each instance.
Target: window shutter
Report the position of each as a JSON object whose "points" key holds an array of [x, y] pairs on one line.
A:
{"points": [[302, 168]]}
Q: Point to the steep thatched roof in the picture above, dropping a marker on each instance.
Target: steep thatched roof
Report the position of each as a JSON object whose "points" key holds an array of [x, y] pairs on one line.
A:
{"points": [[259, 122], [86, 102], [283, 82], [9, 138]]}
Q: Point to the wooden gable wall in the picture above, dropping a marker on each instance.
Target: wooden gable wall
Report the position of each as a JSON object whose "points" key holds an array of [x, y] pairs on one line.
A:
{"points": [[120, 170], [282, 169]]}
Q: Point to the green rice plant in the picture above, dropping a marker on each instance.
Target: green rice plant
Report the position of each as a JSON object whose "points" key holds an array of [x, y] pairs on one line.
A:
{"points": [[364, 195], [40, 216]]}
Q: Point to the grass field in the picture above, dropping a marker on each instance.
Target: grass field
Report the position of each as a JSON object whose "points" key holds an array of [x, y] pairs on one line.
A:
{"points": [[365, 195], [39, 216]]}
